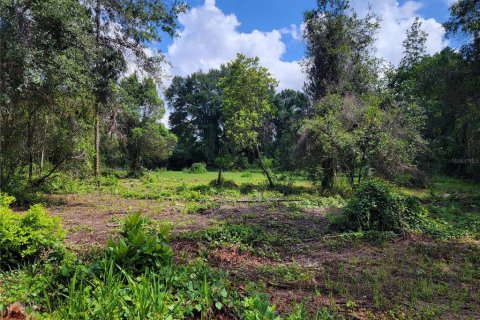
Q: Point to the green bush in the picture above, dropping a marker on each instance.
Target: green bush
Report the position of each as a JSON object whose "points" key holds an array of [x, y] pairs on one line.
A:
{"points": [[198, 167], [25, 194], [193, 291], [377, 206], [6, 200], [246, 174], [25, 237], [142, 245]]}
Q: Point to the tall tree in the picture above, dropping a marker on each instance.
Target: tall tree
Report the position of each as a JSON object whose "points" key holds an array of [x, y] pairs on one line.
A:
{"points": [[291, 108], [414, 45], [247, 104], [123, 28], [364, 137], [45, 52], [339, 47], [146, 141], [196, 118], [465, 20], [339, 58]]}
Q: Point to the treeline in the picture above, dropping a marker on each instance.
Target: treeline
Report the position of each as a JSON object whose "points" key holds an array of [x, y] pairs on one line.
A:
{"points": [[69, 99], [357, 117], [61, 97]]}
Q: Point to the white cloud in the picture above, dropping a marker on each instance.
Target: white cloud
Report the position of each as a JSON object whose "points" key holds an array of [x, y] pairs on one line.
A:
{"points": [[396, 20], [210, 38], [294, 31]]}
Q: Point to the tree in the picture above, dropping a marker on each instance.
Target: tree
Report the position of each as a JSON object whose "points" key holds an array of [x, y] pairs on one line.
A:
{"points": [[362, 137], [464, 19], [291, 108], [45, 83], [123, 28], [247, 104], [196, 117], [146, 141], [339, 47], [339, 59], [414, 45]]}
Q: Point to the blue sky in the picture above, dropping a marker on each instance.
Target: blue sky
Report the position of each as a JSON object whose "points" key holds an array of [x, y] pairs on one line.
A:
{"points": [[212, 32], [276, 14]]}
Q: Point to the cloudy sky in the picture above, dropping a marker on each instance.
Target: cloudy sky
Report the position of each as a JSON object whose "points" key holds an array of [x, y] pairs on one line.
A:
{"points": [[213, 32]]}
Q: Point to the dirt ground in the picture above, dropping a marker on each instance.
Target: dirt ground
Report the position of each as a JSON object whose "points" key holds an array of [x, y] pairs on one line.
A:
{"points": [[342, 276]]}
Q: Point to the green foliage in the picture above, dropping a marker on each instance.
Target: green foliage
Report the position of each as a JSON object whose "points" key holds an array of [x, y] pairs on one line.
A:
{"points": [[414, 45], [179, 292], [247, 237], [339, 47], [6, 200], [377, 206], [357, 137], [199, 207], [247, 104], [247, 100], [291, 108], [196, 117], [142, 245], [246, 174], [26, 237], [146, 142], [45, 88], [198, 167], [257, 307]]}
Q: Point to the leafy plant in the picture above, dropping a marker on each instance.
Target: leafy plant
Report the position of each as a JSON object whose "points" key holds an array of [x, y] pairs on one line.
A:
{"points": [[6, 200], [197, 168], [142, 245], [258, 307], [25, 237], [247, 237], [377, 206]]}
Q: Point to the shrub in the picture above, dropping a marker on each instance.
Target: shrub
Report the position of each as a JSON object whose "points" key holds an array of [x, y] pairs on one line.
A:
{"points": [[64, 184], [25, 237], [193, 291], [142, 245], [109, 181], [25, 194], [198, 167], [246, 174], [6, 200], [377, 206]]}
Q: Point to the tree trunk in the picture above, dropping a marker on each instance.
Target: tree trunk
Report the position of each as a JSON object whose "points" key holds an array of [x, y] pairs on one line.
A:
{"points": [[219, 179], [42, 160], [30, 165], [264, 168], [329, 172], [97, 105], [360, 170], [97, 145], [42, 154], [30, 148]]}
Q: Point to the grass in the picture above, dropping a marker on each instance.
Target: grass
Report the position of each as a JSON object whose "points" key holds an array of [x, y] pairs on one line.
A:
{"points": [[272, 258]]}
